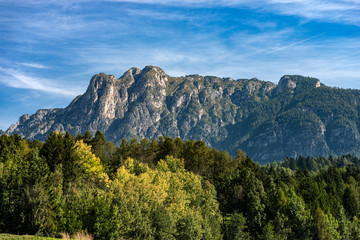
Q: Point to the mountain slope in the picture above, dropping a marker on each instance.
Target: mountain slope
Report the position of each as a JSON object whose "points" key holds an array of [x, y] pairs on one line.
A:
{"points": [[299, 116]]}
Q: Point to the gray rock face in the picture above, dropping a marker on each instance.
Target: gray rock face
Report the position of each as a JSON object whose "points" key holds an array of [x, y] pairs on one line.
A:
{"points": [[268, 121]]}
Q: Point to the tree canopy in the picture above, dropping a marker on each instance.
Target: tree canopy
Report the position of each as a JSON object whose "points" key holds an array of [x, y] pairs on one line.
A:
{"points": [[171, 189]]}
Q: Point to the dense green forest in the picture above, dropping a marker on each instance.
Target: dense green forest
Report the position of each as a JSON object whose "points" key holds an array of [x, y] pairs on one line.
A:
{"points": [[171, 189]]}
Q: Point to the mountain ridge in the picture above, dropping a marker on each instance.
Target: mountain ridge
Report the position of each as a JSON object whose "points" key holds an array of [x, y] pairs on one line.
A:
{"points": [[268, 121]]}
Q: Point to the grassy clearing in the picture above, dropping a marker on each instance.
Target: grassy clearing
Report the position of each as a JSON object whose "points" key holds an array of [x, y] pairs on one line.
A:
{"points": [[78, 236], [21, 237]]}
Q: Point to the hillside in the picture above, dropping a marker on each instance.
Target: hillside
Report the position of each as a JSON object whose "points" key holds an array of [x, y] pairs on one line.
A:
{"points": [[299, 116]]}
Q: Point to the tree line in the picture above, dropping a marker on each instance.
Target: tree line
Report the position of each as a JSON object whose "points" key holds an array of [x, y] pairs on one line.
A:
{"points": [[171, 189]]}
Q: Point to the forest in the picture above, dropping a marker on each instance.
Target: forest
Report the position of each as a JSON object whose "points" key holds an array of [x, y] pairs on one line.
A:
{"points": [[171, 189]]}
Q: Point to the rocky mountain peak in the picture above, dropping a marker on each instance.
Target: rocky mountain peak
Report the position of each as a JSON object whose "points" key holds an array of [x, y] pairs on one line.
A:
{"points": [[149, 68], [151, 76], [288, 83], [246, 114], [100, 81], [132, 72]]}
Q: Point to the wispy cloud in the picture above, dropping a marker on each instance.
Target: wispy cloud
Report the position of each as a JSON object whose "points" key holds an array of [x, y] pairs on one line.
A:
{"points": [[17, 79], [293, 44], [341, 11], [139, 35], [154, 14], [34, 65]]}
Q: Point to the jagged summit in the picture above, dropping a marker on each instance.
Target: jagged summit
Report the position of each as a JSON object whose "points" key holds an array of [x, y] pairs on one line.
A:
{"points": [[288, 83], [266, 120], [100, 81], [132, 72]]}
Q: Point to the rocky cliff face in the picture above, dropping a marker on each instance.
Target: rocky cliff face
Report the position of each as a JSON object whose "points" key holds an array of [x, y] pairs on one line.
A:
{"points": [[299, 116]]}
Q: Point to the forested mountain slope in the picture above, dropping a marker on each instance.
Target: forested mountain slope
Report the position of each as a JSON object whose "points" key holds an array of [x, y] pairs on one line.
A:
{"points": [[299, 116]]}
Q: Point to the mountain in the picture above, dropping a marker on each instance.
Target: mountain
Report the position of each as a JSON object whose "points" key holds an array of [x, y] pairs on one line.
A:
{"points": [[299, 116]]}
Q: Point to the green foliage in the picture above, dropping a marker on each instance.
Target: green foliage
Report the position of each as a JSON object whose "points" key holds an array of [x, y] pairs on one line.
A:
{"points": [[318, 163], [65, 188], [325, 226], [235, 227], [269, 232], [171, 189]]}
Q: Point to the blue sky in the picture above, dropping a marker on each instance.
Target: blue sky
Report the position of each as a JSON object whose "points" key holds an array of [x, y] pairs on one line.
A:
{"points": [[49, 49]]}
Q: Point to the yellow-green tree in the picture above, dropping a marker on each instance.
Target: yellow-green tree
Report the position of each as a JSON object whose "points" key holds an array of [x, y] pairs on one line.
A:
{"points": [[86, 163], [166, 202]]}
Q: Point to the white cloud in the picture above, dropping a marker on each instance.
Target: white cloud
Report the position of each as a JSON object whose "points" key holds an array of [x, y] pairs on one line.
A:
{"points": [[17, 79], [268, 56], [34, 65], [276, 49], [324, 10], [159, 15], [341, 11]]}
